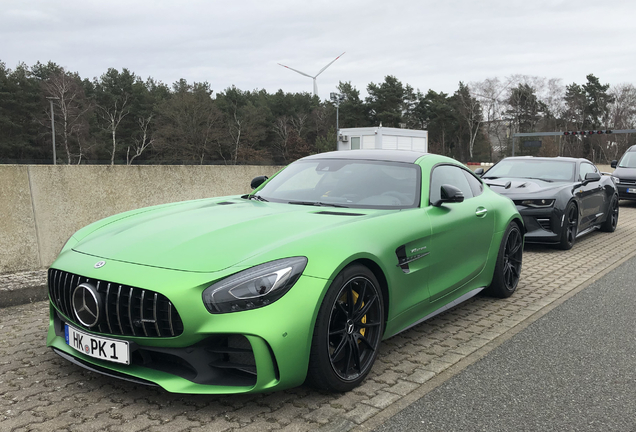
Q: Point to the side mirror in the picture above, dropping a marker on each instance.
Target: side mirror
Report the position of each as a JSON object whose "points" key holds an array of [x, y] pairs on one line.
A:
{"points": [[592, 177], [257, 181], [449, 194], [614, 163], [479, 172]]}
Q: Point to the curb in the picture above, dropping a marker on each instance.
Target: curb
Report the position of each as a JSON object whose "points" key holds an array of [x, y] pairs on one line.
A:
{"points": [[28, 294], [21, 288]]}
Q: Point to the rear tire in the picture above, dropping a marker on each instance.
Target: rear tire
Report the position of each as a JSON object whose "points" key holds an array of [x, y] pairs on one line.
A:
{"points": [[508, 267], [348, 331], [612, 216]]}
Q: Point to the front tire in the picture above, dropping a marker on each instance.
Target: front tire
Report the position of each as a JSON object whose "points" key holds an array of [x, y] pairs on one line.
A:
{"points": [[612, 217], [570, 227], [508, 267], [348, 331]]}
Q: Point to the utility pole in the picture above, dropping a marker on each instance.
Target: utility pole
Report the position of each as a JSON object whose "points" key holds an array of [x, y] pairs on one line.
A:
{"points": [[336, 98], [51, 99]]}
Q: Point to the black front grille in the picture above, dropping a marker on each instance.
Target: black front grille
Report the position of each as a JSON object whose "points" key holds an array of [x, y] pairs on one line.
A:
{"points": [[628, 182], [128, 311]]}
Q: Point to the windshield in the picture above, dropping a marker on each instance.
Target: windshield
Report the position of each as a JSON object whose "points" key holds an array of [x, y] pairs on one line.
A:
{"points": [[346, 183], [548, 170], [628, 160]]}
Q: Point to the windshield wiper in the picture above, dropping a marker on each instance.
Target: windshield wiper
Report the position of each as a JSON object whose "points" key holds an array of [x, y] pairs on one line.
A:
{"points": [[316, 203], [538, 178], [490, 177], [258, 198]]}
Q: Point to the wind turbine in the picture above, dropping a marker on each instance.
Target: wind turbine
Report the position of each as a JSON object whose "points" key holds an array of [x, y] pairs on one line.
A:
{"points": [[316, 76]]}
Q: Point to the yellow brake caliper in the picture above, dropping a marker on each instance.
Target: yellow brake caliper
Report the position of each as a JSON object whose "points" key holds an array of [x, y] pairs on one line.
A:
{"points": [[364, 318]]}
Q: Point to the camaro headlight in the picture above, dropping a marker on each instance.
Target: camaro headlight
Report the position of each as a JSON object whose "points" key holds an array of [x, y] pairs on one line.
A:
{"points": [[255, 287], [536, 203], [616, 179]]}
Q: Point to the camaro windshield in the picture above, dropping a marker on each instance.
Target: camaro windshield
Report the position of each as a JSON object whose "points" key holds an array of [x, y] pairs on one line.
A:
{"points": [[548, 170], [346, 183], [628, 161]]}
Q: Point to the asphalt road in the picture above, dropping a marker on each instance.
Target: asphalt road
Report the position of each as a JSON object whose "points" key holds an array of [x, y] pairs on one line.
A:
{"points": [[574, 369]]}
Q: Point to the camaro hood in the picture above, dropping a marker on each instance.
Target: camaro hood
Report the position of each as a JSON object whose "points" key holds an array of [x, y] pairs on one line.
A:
{"points": [[210, 235], [524, 186]]}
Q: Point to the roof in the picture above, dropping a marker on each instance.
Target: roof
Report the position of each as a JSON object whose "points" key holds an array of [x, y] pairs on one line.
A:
{"points": [[406, 156], [558, 158]]}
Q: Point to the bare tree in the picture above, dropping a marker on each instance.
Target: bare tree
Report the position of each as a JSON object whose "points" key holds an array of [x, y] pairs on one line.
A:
{"points": [[470, 113], [622, 116], [491, 95], [282, 131], [142, 142], [113, 115], [299, 122], [72, 106]]}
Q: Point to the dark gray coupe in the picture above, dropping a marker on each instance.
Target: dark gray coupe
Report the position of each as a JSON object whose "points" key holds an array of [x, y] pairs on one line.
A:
{"points": [[559, 198]]}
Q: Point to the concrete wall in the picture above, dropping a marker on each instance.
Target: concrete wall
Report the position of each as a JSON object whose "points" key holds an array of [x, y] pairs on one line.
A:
{"points": [[41, 206]]}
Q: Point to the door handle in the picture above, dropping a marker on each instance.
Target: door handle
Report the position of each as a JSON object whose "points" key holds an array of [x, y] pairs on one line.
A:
{"points": [[481, 212]]}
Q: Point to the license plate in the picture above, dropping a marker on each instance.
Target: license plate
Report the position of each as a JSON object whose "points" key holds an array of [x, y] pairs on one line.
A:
{"points": [[102, 348], [631, 190]]}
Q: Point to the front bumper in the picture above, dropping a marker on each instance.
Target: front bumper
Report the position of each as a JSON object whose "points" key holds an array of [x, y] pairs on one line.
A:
{"points": [[243, 352], [626, 191], [542, 225]]}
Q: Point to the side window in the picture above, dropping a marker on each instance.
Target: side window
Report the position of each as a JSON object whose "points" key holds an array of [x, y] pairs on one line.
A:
{"points": [[475, 185], [586, 168], [452, 175]]}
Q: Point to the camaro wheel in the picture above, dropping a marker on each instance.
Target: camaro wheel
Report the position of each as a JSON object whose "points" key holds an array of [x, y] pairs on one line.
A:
{"points": [[570, 227], [508, 266], [348, 331], [612, 218]]}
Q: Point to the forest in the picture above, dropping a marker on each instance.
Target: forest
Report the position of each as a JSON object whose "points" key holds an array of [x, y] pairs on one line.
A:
{"points": [[121, 118]]}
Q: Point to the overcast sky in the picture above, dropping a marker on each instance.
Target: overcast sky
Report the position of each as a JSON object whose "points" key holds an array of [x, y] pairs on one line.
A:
{"points": [[427, 44]]}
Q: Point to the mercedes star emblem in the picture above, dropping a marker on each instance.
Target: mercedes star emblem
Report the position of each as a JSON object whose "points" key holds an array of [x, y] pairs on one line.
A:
{"points": [[87, 304]]}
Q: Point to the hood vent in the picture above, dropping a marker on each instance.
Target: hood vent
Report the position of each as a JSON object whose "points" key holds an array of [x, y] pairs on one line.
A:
{"points": [[334, 213]]}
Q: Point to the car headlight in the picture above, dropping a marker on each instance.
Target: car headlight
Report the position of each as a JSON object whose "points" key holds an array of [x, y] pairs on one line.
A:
{"points": [[536, 203], [255, 287], [616, 179]]}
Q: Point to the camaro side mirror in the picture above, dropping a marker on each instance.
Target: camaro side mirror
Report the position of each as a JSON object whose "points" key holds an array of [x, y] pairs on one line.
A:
{"points": [[257, 181], [449, 194], [479, 172], [614, 163], [592, 177]]}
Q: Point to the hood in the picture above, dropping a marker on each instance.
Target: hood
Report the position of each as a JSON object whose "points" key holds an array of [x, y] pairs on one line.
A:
{"points": [[208, 236], [524, 186], [625, 173]]}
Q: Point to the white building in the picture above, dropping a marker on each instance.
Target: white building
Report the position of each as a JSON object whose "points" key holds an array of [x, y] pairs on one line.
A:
{"points": [[382, 138]]}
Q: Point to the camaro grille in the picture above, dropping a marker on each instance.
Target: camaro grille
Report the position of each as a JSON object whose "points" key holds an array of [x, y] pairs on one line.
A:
{"points": [[125, 310]]}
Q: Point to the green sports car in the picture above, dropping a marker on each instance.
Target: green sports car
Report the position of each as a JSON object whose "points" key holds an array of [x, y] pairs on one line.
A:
{"points": [[298, 281]]}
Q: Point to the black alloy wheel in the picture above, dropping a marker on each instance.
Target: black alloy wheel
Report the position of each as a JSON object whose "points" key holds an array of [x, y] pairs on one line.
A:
{"points": [[513, 251], [508, 266], [348, 331], [612, 217], [570, 227]]}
